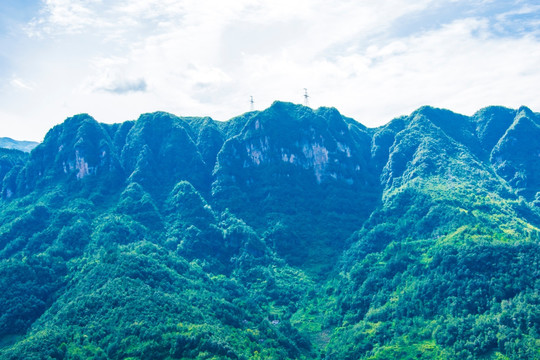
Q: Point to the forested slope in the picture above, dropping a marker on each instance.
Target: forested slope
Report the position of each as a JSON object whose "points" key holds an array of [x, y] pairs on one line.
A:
{"points": [[289, 233]]}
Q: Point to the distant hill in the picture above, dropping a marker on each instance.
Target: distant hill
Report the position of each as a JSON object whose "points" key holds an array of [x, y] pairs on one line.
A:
{"points": [[287, 233], [8, 143]]}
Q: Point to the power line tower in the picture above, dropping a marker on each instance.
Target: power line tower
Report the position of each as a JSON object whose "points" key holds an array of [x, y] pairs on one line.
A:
{"points": [[251, 102], [306, 98]]}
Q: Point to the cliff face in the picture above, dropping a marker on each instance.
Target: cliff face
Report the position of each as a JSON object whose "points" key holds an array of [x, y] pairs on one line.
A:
{"points": [[288, 144]]}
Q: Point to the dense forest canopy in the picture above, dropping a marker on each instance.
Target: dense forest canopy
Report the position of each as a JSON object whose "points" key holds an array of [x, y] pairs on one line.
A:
{"points": [[288, 233]]}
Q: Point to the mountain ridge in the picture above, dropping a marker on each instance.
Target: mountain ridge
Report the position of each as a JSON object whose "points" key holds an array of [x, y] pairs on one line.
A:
{"points": [[287, 233], [9, 143]]}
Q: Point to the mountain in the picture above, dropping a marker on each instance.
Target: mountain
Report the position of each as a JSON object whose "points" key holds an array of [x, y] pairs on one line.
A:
{"points": [[288, 233], [25, 146]]}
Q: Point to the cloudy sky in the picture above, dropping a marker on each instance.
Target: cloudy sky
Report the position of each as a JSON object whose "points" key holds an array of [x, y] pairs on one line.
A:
{"points": [[372, 60]]}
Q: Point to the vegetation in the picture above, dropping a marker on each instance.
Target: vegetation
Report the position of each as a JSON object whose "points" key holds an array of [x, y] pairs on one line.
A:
{"points": [[283, 234]]}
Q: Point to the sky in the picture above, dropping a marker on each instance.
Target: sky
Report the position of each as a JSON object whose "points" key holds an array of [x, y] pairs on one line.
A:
{"points": [[372, 60]]}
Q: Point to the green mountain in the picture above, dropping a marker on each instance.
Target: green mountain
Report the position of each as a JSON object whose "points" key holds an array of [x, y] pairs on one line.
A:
{"points": [[288, 233]]}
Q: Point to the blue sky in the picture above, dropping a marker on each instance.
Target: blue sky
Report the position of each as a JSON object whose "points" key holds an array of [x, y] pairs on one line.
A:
{"points": [[373, 60]]}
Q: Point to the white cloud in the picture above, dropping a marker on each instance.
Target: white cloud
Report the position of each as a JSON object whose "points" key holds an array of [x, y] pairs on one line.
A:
{"points": [[113, 76], [524, 9], [206, 57], [20, 84], [459, 66], [71, 16], [123, 86]]}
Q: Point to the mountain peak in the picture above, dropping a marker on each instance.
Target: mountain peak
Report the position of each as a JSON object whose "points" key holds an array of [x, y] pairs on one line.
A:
{"points": [[523, 110]]}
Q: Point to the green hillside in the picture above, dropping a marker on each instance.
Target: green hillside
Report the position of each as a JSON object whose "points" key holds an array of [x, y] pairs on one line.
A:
{"points": [[288, 233]]}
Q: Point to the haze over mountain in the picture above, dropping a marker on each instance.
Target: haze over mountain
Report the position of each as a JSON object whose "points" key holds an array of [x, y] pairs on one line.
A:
{"points": [[288, 233], [26, 146]]}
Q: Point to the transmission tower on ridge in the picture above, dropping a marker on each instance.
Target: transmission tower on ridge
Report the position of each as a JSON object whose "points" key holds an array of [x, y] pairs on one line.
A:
{"points": [[251, 102], [306, 98]]}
